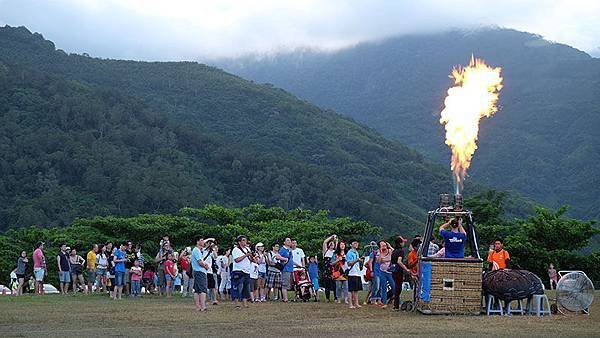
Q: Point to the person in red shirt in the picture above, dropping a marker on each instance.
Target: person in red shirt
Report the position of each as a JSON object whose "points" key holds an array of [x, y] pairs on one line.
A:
{"points": [[169, 274], [185, 265]]}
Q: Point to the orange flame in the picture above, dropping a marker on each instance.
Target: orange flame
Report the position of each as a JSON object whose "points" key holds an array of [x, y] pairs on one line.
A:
{"points": [[474, 96]]}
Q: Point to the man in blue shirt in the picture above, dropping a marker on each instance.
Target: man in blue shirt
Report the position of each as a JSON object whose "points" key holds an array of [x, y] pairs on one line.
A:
{"points": [[288, 268], [199, 266], [455, 239], [119, 260]]}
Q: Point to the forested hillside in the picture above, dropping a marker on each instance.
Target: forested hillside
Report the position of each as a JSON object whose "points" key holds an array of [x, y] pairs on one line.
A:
{"points": [[544, 141], [83, 136]]}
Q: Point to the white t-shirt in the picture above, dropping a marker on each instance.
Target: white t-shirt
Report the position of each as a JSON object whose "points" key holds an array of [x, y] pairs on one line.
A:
{"points": [[254, 271], [209, 261], [222, 264], [262, 264], [244, 265], [328, 253], [297, 256]]}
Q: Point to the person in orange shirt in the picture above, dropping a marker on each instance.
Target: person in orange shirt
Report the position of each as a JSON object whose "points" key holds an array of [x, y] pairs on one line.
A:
{"points": [[498, 258], [413, 258]]}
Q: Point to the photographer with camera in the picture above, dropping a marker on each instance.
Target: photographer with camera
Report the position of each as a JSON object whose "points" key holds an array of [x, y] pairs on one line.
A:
{"points": [[274, 268], [242, 266], [160, 259]]}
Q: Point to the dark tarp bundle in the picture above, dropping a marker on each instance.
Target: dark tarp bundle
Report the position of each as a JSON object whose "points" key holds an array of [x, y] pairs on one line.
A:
{"points": [[511, 284]]}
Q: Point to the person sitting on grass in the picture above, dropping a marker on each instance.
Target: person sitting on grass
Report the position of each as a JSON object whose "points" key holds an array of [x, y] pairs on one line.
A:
{"points": [[454, 239]]}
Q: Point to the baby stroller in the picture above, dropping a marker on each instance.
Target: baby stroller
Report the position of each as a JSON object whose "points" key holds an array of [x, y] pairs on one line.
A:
{"points": [[303, 286]]}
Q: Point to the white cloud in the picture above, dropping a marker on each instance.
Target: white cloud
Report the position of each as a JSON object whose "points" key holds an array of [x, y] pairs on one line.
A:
{"points": [[186, 29]]}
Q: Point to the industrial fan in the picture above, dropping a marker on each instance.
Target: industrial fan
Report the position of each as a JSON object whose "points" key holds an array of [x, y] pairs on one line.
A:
{"points": [[574, 293]]}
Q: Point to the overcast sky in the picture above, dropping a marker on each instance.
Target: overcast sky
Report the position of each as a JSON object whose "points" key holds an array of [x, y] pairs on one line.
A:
{"points": [[199, 30]]}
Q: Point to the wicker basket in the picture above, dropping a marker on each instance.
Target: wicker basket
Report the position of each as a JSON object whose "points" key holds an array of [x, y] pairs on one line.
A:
{"points": [[449, 286]]}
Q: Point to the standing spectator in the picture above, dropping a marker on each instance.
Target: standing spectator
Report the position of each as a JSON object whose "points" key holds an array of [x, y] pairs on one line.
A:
{"points": [[329, 245], [20, 271], [199, 270], [553, 276], [288, 267], [223, 271], [77, 262], [169, 270], [313, 274], [110, 272], [354, 280], [64, 269], [101, 268], [119, 260], [240, 274], [400, 268], [39, 268], [161, 257], [274, 268], [136, 277], [91, 267], [498, 258], [386, 278], [299, 259], [254, 280], [131, 258], [339, 266], [262, 270], [433, 247], [186, 272], [375, 297], [210, 277]]}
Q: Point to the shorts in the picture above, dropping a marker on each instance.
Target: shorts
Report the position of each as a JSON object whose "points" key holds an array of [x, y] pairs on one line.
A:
{"points": [[200, 282], [253, 284], [100, 272], [168, 278], [119, 278], [262, 275], [91, 275], [286, 280], [354, 283], [315, 283], [39, 274], [76, 271], [64, 277], [127, 276], [210, 278], [20, 275], [273, 280]]}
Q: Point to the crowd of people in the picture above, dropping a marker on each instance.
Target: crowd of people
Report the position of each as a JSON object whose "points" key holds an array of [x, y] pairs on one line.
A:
{"points": [[250, 273]]}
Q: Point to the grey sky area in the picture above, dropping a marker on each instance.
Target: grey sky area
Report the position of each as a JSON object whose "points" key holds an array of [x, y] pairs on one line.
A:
{"points": [[201, 30]]}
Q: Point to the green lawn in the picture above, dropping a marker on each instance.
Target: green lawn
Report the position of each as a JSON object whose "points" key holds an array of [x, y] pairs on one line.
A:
{"points": [[76, 316]]}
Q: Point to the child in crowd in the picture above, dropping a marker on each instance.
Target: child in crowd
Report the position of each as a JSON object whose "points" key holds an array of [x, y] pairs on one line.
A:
{"points": [[148, 280], [169, 274], [303, 286], [136, 277], [313, 274], [254, 280]]}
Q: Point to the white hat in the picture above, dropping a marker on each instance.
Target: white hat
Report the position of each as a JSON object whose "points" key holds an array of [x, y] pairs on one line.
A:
{"points": [[258, 244]]}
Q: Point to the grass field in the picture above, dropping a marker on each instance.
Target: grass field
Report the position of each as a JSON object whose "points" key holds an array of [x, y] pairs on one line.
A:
{"points": [[77, 316]]}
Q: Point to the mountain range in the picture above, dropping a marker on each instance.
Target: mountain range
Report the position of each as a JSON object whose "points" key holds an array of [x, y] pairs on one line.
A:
{"points": [[543, 143]]}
